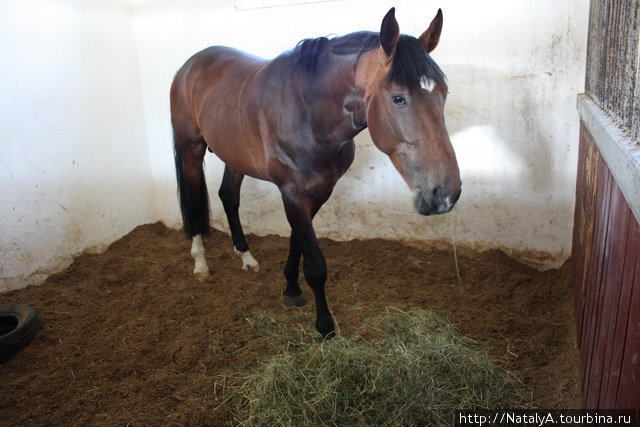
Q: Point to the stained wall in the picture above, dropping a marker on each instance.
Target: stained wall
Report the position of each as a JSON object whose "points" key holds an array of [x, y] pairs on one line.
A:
{"points": [[74, 165]]}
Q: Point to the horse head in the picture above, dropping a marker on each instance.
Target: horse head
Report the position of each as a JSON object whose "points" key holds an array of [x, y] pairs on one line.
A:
{"points": [[405, 94]]}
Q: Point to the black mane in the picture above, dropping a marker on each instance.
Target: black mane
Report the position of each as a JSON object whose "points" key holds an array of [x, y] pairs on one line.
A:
{"points": [[410, 64], [305, 55]]}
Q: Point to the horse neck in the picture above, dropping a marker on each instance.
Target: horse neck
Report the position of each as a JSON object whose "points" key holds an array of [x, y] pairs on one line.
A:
{"points": [[338, 105]]}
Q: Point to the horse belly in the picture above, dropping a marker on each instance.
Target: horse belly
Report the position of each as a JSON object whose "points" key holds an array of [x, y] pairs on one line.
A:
{"points": [[237, 147]]}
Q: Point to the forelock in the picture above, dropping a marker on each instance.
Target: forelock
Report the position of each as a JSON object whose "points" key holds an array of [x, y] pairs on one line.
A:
{"points": [[412, 63]]}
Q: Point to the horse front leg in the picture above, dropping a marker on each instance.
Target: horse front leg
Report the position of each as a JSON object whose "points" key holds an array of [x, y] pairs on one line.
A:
{"points": [[300, 211], [292, 295]]}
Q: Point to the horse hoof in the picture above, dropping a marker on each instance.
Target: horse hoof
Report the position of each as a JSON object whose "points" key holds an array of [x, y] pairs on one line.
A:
{"points": [[297, 301], [202, 276], [249, 263], [329, 335], [254, 268], [325, 326]]}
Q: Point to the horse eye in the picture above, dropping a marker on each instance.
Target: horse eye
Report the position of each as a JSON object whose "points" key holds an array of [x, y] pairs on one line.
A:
{"points": [[398, 99]]}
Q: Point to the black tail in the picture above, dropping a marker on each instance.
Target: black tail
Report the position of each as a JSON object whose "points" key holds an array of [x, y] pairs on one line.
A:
{"points": [[194, 200]]}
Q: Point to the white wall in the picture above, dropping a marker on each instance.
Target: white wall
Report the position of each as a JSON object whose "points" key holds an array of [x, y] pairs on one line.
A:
{"points": [[74, 166], [514, 69]]}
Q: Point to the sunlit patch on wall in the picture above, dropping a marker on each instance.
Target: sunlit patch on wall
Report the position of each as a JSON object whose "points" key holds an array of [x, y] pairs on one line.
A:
{"points": [[481, 151]]}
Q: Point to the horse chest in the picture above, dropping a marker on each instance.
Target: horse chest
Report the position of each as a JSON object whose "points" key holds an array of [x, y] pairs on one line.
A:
{"points": [[332, 163]]}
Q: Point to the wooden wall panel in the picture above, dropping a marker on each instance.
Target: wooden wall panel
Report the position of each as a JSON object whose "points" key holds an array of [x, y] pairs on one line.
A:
{"points": [[629, 388], [606, 279], [606, 235]]}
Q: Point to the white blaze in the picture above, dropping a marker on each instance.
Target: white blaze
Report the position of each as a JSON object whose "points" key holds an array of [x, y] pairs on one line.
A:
{"points": [[427, 84]]}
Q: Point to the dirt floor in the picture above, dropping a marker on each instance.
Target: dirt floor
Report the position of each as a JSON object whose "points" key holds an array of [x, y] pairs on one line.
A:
{"points": [[130, 337]]}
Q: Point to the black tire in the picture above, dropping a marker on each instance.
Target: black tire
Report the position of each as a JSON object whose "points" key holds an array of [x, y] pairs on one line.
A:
{"points": [[19, 325]]}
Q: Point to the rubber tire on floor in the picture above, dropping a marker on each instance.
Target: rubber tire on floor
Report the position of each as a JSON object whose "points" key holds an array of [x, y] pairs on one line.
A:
{"points": [[19, 325]]}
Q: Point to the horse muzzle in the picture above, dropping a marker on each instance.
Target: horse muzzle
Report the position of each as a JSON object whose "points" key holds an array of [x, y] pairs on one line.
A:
{"points": [[439, 200]]}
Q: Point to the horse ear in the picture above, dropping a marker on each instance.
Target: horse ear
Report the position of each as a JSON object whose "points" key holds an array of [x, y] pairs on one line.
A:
{"points": [[431, 36], [389, 32]]}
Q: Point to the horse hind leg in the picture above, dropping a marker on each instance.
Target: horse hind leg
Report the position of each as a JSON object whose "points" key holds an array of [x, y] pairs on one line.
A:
{"points": [[193, 197], [230, 195], [200, 269]]}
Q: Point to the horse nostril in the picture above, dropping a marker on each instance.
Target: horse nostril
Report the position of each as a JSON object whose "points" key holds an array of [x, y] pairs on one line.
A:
{"points": [[436, 200], [437, 193]]}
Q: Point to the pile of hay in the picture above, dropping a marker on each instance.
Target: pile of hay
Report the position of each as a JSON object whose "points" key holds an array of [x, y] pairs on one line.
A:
{"points": [[418, 371]]}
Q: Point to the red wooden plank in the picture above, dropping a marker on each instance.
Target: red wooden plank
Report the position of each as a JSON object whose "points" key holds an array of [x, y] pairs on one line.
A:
{"points": [[592, 381], [629, 388], [619, 214], [584, 218], [594, 290], [624, 305], [595, 262], [591, 282], [578, 249], [592, 278]]}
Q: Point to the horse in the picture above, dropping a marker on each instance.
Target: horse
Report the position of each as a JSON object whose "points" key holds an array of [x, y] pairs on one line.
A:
{"points": [[291, 121]]}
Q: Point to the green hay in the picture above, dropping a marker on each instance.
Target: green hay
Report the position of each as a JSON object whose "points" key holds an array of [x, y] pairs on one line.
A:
{"points": [[417, 372]]}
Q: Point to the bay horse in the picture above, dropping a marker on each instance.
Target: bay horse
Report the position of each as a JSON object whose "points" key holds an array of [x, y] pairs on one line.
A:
{"points": [[291, 121]]}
